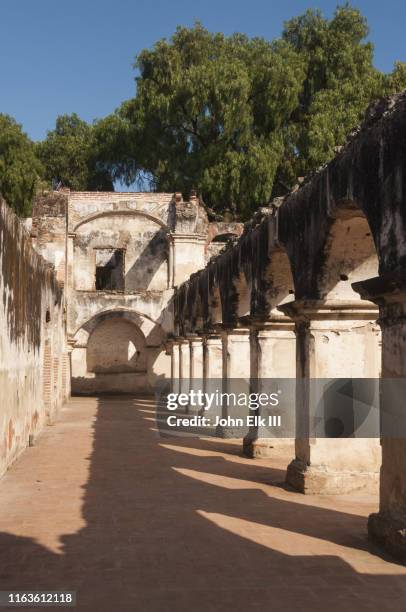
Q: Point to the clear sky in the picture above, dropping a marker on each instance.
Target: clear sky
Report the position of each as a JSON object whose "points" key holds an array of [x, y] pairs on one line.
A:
{"points": [[64, 56]]}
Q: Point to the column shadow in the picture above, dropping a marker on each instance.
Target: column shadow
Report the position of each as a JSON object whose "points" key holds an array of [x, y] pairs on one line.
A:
{"points": [[173, 525]]}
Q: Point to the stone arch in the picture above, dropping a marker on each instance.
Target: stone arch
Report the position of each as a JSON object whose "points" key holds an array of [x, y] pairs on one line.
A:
{"points": [[279, 283], [243, 295], [110, 213], [349, 256], [195, 306], [224, 237], [116, 345], [115, 351], [140, 241], [220, 240], [150, 329], [215, 306]]}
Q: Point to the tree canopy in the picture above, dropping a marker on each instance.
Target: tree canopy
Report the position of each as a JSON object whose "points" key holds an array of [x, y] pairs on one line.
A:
{"points": [[209, 114], [20, 169], [241, 119], [238, 119], [70, 158]]}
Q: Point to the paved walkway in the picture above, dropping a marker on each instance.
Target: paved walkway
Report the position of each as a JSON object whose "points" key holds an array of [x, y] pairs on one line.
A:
{"points": [[133, 522]]}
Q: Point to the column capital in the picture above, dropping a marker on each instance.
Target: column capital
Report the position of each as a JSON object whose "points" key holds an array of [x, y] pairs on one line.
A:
{"points": [[194, 339], [324, 310], [213, 339], [238, 331], [179, 340], [185, 237], [388, 291], [276, 321], [384, 289], [168, 345], [214, 329]]}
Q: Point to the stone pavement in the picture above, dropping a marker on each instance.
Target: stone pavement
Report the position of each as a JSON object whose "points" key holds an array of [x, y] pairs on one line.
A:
{"points": [[131, 521]]}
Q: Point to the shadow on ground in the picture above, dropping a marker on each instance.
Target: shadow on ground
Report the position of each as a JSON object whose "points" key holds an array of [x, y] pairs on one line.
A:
{"points": [[172, 524]]}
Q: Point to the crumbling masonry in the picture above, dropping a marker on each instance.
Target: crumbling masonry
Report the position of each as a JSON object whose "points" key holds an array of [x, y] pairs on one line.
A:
{"points": [[146, 288]]}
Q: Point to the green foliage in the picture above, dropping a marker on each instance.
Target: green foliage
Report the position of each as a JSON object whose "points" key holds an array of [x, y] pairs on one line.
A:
{"points": [[396, 81], [240, 119], [208, 114], [339, 84], [20, 170], [70, 157]]}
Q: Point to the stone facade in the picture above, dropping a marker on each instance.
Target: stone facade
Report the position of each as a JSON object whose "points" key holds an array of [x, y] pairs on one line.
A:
{"points": [[119, 256]]}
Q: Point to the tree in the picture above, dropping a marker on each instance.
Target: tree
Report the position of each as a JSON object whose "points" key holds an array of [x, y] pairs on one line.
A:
{"points": [[241, 119], [70, 158], [339, 84], [20, 170], [396, 80], [208, 114]]}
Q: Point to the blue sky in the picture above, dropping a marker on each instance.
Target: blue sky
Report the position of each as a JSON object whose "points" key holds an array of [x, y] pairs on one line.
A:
{"points": [[64, 56]]}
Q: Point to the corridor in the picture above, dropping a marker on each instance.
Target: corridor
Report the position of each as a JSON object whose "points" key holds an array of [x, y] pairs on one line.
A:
{"points": [[102, 505]]}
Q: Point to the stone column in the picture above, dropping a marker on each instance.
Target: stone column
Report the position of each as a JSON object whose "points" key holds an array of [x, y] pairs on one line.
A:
{"points": [[212, 367], [213, 357], [169, 351], [196, 358], [175, 368], [196, 366], [388, 527], [187, 255], [273, 357], [236, 376], [236, 353], [335, 340], [184, 366]]}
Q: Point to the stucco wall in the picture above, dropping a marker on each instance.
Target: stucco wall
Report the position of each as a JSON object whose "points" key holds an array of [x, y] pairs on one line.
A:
{"points": [[145, 245], [34, 365]]}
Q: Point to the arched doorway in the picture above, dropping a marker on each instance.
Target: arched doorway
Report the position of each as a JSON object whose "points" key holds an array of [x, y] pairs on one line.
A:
{"points": [[117, 351], [116, 346]]}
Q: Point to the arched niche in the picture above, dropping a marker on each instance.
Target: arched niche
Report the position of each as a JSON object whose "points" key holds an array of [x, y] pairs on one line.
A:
{"points": [[349, 256]]}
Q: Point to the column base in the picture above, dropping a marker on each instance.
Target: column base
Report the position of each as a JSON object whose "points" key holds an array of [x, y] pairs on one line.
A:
{"points": [[265, 448], [318, 480], [389, 533], [228, 432]]}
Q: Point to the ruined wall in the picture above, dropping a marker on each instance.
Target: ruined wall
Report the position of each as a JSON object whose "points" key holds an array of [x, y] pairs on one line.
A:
{"points": [[120, 256], [34, 364], [220, 233], [143, 241], [48, 230]]}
